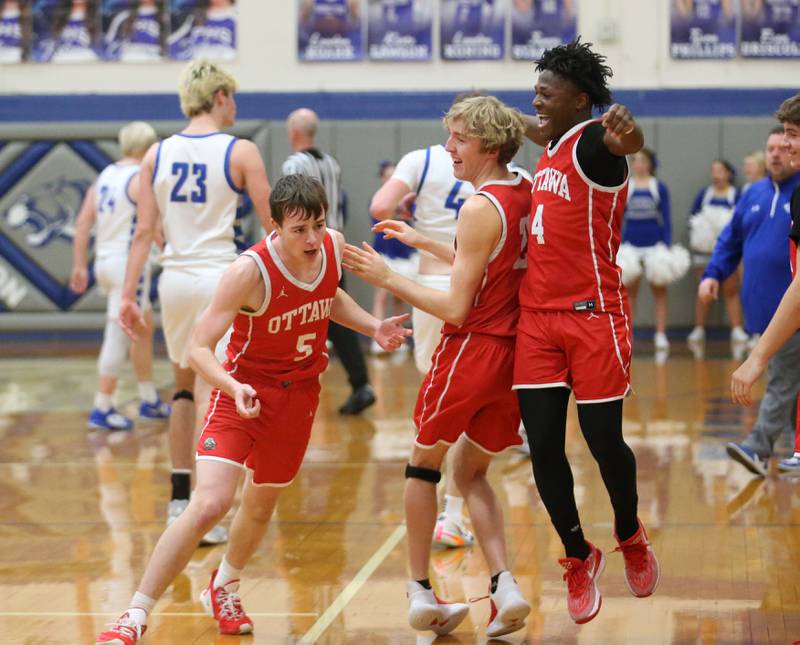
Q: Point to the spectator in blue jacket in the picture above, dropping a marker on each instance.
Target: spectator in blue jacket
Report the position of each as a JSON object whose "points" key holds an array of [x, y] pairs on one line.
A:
{"points": [[758, 235], [647, 223]]}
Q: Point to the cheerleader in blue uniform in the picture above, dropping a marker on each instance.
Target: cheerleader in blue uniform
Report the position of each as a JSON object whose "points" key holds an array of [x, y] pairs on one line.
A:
{"points": [[133, 33], [716, 199], [74, 35], [647, 222], [214, 36], [12, 45]]}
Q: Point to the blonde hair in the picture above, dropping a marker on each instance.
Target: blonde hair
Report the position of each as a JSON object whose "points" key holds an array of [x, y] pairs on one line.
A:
{"points": [[497, 126], [199, 82], [135, 138]]}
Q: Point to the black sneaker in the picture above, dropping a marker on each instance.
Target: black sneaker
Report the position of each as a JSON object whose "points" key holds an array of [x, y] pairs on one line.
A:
{"points": [[358, 401]]}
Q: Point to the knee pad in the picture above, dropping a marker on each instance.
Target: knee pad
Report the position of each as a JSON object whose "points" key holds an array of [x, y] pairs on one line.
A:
{"points": [[183, 394], [114, 349], [425, 474]]}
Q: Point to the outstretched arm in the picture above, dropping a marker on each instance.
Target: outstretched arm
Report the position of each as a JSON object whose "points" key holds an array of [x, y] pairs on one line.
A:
{"points": [[410, 237], [477, 233], [393, 199], [781, 328], [247, 167], [388, 333], [79, 278], [623, 135], [239, 288], [532, 130]]}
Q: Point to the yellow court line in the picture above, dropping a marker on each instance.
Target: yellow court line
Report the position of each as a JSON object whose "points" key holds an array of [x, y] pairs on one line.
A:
{"points": [[342, 600], [22, 614]]}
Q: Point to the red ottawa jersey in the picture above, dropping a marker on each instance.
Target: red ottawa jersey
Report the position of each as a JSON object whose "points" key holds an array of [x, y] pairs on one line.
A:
{"points": [[574, 235], [495, 310], [285, 339]]}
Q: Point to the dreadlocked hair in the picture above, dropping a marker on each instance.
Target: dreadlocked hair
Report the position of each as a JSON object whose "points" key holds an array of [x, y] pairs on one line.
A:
{"points": [[586, 69]]}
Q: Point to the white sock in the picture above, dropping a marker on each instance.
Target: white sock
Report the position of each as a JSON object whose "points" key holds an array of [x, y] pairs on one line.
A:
{"points": [[141, 605], [225, 574], [453, 506], [147, 392], [103, 402]]}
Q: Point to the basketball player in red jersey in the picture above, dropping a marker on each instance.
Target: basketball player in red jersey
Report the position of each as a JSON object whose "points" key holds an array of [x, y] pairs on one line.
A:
{"points": [[468, 387], [279, 296], [574, 330]]}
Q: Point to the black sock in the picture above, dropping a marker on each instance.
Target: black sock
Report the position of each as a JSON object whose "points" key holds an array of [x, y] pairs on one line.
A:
{"points": [[495, 578], [425, 582], [625, 531], [181, 485], [575, 544]]}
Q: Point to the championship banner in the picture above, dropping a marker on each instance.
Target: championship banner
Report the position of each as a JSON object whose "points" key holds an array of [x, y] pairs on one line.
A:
{"points": [[134, 30], [66, 32], [703, 29], [399, 30], [329, 30], [473, 29], [770, 29], [200, 29], [537, 25]]}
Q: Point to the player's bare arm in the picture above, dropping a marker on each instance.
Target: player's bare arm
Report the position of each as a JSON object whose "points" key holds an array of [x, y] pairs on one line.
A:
{"points": [[240, 288], [408, 235], [623, 135], [393, 199], [780, 329], [388, 333], [130, 316], [248, 173], [533, 131], [478, 232], [79, 279]]}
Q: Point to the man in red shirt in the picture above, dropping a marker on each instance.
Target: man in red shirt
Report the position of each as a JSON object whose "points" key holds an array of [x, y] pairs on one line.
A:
{"points": [[574, 330], [467, 390], [279, 296]]}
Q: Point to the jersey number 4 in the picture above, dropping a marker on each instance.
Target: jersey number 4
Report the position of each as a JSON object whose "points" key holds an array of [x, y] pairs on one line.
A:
{"points": [[453, 202], [537, 226], [181, 171]]}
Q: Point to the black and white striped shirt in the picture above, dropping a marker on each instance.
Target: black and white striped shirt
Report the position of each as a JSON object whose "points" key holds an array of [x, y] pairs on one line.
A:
{"points": [[324, 167]]}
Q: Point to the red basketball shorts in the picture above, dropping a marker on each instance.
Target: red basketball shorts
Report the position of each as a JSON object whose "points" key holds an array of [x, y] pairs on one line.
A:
{"points": [[588, 352], [468, 390], [274, 443]]}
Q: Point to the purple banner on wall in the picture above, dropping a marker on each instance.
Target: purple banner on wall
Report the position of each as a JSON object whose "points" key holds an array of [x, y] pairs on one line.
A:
{"points": [[201, 29], [770, 29], [329, 30], [472, 29], [537, 25], [703, 29], [399, 30]]}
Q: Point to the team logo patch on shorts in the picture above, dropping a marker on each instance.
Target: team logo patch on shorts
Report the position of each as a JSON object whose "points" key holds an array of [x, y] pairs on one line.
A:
{"points": [[209, 444]]}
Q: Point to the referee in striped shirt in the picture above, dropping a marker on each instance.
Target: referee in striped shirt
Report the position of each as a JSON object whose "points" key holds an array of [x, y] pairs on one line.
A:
{"points": [[308, 160]]}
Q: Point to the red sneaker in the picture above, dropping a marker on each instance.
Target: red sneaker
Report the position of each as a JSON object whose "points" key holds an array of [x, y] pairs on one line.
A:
{"points": [[225, 606], [642, 570], [583, 596], [123, 632]]}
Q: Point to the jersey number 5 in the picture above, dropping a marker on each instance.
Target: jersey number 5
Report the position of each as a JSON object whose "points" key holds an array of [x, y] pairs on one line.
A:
{"points": [[304, 346], [181, 171]]}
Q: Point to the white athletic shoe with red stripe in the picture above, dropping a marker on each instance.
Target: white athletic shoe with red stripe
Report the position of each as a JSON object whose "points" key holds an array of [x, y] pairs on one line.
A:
{"points": [[123, 632], [427, 613], [508, 607]]}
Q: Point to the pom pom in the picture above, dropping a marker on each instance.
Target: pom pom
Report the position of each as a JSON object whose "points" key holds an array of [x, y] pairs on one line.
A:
{"points": [[628, 261], [705, 227], [664, 265]]}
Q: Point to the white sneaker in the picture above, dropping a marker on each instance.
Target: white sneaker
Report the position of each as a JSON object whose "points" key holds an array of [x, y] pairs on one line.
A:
{"points": [[451, 532], [739, 340], [427, 612], [660, 341], [217, 535], [696, 341], [509, 607]]}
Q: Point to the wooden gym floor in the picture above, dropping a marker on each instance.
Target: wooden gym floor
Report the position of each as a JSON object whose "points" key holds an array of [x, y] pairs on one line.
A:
{"points": [[81, 512]]}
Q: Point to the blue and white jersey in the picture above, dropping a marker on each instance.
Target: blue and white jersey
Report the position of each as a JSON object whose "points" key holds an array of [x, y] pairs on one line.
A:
{"points": [[115, 210], [197, 200], [216, 37], [429, 173], [330, 9], [74, 43], [398, 14], [141, 43], [647, 218], [469, 16], [10, 36]]}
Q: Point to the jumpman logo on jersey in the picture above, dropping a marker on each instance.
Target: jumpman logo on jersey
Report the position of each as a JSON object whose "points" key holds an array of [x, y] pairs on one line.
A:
{"points": [[283, 293]]}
